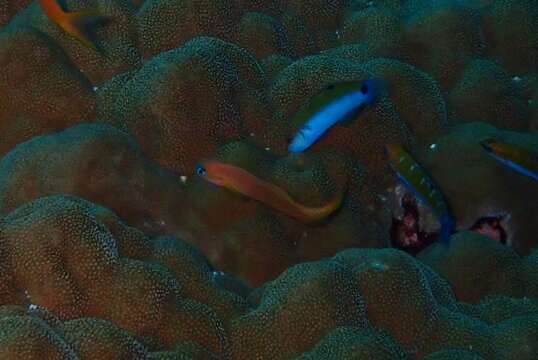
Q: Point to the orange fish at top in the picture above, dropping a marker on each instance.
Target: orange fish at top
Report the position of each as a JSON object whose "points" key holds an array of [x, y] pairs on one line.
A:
{"points": [[74, 23]]}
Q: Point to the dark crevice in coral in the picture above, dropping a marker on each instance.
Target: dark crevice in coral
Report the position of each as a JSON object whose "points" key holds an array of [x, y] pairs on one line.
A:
{"points": [[491, 226]]}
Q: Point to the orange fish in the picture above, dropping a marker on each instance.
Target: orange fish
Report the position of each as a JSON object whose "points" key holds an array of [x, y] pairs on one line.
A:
{"points": [[73, 23], [241, 181]]}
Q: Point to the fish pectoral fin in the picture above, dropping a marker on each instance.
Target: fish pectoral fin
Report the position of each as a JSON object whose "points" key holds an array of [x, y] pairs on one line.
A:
{"points": [[78, 23]]}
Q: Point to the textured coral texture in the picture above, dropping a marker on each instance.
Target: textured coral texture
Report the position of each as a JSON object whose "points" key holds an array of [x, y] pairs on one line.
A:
{"points": [[112, 247]]}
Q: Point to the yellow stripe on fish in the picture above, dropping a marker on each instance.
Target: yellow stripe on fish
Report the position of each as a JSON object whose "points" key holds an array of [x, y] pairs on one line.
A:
{"points": [[416, 179]]}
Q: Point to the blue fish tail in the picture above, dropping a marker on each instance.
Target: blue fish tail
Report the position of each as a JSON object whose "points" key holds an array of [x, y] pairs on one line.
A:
{"points": [[447, 228]]}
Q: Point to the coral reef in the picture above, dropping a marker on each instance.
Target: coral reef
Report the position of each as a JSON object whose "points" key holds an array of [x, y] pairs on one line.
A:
{"points": [[275, 239], [190, 98], [9, 8], [477, 267], [534, 111], [441, 37], [362, 302], [262, 35], [117, 38], [99, 163], [111, 247], [487, 93], [104, 165], [378, 27], [416, 96], [164, 25], [510, 34], [95, 266], [42, 94]]}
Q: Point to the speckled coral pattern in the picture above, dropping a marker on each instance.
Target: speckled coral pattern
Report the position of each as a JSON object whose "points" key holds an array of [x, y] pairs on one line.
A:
{"points": [[112, 248]]}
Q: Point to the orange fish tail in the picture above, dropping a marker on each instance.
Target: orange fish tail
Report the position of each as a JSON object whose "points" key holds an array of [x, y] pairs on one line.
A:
{"points": [[76, 24], [313, 215], [52, 9]]}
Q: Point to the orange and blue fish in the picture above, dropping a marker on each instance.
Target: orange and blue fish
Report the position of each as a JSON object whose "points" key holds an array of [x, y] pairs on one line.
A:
{"points": [[336, 103], [512, 156], [416, 180], [74, 23], [243, 182]]}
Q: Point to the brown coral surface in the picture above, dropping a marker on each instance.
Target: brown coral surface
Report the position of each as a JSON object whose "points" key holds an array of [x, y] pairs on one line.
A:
{"points": [[111, 247], [109, 292]]}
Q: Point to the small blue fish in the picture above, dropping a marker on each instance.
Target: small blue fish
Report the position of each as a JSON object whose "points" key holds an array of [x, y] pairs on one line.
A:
{"points": [[332, 105]]}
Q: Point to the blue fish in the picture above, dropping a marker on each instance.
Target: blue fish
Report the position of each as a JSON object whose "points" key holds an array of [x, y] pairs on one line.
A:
{"points": [[334, 104]]}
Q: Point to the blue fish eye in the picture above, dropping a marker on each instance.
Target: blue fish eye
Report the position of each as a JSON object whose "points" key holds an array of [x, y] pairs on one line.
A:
{"points": [[364, 89], [200, 170]]}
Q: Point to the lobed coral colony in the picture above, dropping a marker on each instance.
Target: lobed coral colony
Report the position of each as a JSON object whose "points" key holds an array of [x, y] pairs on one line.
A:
{"points": [[269, 179]]}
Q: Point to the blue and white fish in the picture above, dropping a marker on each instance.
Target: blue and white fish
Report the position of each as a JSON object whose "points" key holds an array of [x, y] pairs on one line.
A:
{"points": [[336, 103]]}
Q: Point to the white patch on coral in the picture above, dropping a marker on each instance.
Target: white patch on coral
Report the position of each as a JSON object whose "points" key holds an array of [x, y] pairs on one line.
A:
{"points": [[378, 265], [215, 274], [27, 296]]}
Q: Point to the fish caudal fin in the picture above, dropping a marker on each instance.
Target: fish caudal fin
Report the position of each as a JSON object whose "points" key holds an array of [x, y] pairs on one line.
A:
{"points": [[447, 229], [315, 215], [77, 23]]}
